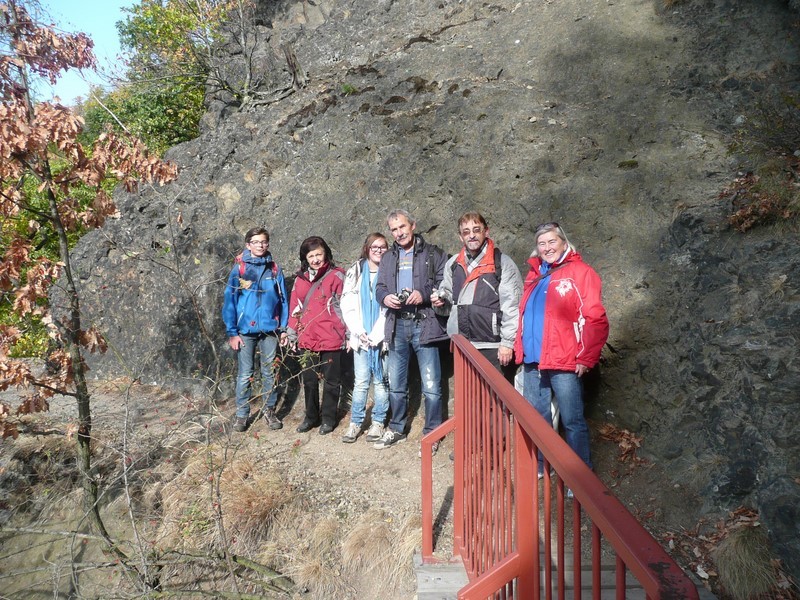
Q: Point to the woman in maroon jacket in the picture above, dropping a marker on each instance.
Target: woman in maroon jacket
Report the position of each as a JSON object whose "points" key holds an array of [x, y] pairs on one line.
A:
{"points": [[562, 329], [316, 325]]}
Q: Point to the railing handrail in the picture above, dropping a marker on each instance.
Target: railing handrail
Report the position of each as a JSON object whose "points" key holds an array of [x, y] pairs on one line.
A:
{"points": [[658, 574]]}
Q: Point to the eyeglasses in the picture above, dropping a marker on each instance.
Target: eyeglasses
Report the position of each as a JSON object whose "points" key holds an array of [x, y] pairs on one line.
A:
{"points": [[379, 248], [474, 230], [258, 243]]}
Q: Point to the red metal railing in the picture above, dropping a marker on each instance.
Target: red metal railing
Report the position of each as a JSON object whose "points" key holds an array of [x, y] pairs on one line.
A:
{"points": [[504, 517]]}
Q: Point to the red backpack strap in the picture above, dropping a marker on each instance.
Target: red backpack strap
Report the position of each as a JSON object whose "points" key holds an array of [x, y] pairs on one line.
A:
{"points": [[240, 262]]}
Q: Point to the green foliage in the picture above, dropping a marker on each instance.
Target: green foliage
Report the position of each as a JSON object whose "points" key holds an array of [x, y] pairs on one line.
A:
{"points": [[34, 341], [348, 89], [170, 48], [160, 117]]}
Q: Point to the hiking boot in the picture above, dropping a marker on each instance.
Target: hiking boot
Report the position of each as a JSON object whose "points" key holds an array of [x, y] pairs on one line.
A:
{"points": [[272, 419], [390, 438], [352, 433], [434, 449], [375, 432], [239, 423]]}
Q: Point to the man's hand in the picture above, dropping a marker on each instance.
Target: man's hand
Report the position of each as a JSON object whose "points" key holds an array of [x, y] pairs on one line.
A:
{"points": [[581, 370], [392, 301], [436, 301], [235, 342], [414, 298], [284, 339], [505, 355]]}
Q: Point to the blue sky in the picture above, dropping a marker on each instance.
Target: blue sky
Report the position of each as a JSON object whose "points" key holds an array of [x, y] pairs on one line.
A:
{"points": [[98, 19]]}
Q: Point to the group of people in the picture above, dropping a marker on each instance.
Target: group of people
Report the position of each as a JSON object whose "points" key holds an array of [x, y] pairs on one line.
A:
{"points": [[406, 297]]}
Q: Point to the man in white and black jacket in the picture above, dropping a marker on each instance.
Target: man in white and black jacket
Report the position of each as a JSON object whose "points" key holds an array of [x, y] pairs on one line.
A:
{"points": [[480, 291]]}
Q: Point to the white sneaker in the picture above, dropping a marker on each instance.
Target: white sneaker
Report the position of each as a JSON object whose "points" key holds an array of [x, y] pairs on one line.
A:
{"points": [[375, 432], [351, 435]]}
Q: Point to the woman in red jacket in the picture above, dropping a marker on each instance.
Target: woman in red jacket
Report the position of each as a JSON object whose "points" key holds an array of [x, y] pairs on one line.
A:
{"points": [[316, 325], [563, 327]]}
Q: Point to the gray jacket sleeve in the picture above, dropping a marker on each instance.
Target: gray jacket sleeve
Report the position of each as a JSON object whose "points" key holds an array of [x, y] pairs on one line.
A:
{"points": [[446, 288], [510, 291]]}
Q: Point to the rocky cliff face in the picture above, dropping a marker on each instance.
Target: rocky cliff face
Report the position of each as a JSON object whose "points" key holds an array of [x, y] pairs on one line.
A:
{"points": [[613, 118]]}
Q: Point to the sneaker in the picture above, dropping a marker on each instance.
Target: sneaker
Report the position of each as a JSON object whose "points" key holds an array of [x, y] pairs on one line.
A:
{"points": [[434, 449], [239, 423], [351, 435], [272, 419], [390, 438], [375, 432]]}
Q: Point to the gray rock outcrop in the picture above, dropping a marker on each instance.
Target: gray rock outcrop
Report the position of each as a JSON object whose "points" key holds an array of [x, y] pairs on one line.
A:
{"points": [[613, 118]]}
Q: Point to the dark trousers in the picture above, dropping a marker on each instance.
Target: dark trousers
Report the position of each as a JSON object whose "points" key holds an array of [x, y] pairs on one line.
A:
{"points": [[509, 371], [326, 366]]}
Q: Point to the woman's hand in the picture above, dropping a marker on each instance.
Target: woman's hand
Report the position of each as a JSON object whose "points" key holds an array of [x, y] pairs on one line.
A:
{"points": [[581, 370]]}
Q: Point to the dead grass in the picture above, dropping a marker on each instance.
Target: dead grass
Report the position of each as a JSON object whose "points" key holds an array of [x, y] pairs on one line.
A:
{"points": [[743, 563], [40, 470], [328, 560], [249, 499]]}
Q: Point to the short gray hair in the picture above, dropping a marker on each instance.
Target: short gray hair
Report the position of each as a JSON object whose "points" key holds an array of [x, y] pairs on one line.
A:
{"points": [[547, 228], [399, 212]]}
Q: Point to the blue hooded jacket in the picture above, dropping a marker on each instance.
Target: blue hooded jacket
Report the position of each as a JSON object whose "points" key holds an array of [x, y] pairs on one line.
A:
{"points": [[255, 300]]}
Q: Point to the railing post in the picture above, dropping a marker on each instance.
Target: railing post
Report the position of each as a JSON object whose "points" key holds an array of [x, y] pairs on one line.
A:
{"points": [[458, 442], [527, 530]]}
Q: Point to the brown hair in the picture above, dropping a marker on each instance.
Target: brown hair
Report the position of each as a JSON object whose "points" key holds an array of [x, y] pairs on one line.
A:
{"points": [[254, 232], [472, 216], [368, 242]]}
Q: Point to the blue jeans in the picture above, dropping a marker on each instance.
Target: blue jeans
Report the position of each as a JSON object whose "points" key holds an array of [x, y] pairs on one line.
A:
{"points": [[266, 344], [540, 386], [406, 339], [362, 374]]}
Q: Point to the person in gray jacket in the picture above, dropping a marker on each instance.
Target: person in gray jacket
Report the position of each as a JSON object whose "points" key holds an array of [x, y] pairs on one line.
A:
{"points": [[408, 274], [480, 290]]}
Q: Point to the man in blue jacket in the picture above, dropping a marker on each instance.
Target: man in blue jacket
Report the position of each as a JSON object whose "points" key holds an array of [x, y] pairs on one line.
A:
{"points": [[255, 312], [408, 274]]}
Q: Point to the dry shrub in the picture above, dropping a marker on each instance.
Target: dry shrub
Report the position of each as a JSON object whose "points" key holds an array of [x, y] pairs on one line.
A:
{"points": [[39, 469], [367, 545], [249, 499], [743, 562], [381, 557], [309, 545], [331, 563]]}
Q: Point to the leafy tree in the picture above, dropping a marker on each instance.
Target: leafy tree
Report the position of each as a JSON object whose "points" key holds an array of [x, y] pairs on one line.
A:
{"points": [[52, 187], [161, 117]]}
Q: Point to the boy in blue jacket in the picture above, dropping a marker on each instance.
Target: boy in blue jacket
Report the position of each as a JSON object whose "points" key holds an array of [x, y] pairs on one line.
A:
{"points": [[255, 312]]}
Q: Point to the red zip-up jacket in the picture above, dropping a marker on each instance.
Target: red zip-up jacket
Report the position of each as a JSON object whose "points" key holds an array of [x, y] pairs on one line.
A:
{"points": [[316, 323], [575, 322]]}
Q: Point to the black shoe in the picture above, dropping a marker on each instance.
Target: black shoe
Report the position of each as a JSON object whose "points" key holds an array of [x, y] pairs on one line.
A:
{"points": [[325, 429], [239, 423], [306, 425]]}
